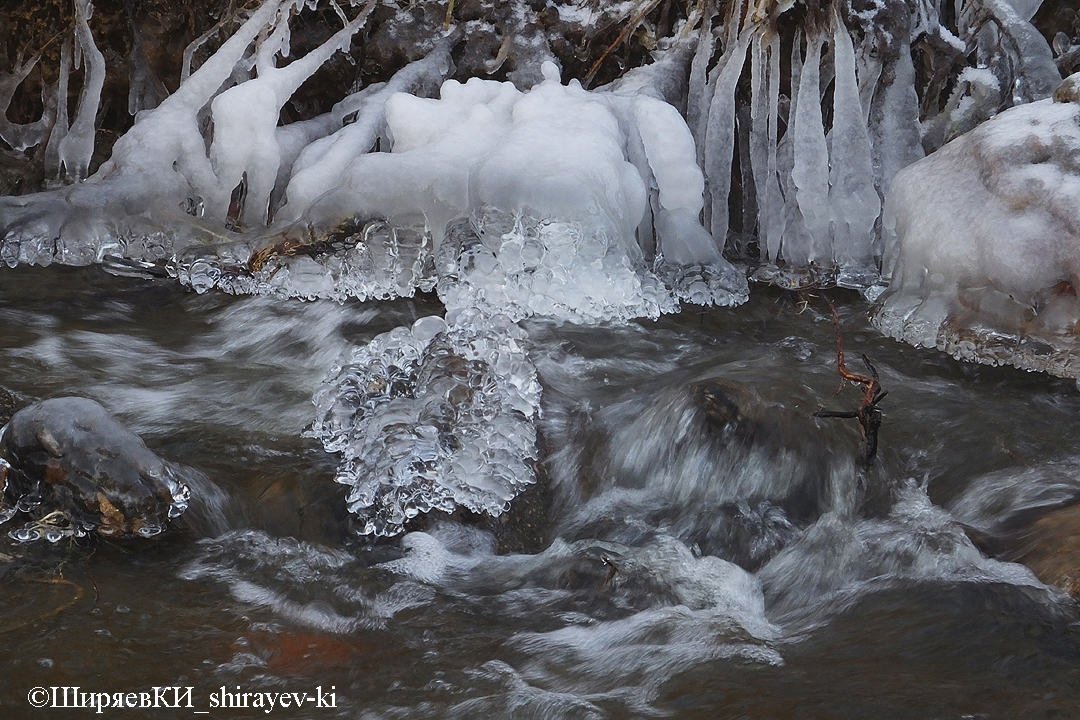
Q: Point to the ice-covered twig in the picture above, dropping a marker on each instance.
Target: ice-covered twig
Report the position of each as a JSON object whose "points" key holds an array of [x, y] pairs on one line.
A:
{"points": [[77, 146], [320, 165], [246, 117], [27, 135]]}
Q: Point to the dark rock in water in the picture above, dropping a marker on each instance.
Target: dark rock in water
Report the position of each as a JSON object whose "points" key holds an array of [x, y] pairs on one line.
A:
{"points": [[1051, 548], [72, 468]]}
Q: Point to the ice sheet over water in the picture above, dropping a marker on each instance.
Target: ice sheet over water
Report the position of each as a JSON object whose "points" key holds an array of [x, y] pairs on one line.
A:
{"points": [[362, 260], [432, 417]]}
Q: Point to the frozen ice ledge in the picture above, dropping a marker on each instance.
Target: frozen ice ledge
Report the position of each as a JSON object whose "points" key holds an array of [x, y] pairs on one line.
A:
{"points": [[595, 190]]}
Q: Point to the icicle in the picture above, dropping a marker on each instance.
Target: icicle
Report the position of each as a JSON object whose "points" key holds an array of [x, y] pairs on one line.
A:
{"points": [[670, 149], [853, 201], [894, 117], [775, 218], [699, 96], [811, 172], [720, 133], [194, 45], [796, 242], [145, 90], [765, 93], [868, 63]]}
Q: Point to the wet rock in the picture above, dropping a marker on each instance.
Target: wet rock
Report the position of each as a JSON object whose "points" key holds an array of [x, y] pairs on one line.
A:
{"points": [[70, 468], [10, 403], [1051, 548]]}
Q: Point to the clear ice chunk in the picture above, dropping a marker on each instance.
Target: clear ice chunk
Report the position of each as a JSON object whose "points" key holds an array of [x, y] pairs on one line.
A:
{"points": [[432, 417]]}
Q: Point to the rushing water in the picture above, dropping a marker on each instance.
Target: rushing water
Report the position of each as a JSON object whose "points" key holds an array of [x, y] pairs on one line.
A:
{"points": [[609, 592]]}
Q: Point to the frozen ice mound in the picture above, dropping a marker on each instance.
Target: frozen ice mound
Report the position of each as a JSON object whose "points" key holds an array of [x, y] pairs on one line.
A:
{"points": [[432, 417], [210, 182], [984, 243], [532, 200]]}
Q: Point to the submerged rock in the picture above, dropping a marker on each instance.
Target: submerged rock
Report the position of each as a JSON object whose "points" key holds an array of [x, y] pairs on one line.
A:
{"points": [[710, 462], [71, 468], [986, 242], [1051, 548]]}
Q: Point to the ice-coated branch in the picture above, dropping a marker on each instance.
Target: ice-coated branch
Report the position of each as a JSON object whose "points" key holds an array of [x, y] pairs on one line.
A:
{"points": [[27, 135], [321, 164], [246, 117], [77, 146], [1036, 74]]}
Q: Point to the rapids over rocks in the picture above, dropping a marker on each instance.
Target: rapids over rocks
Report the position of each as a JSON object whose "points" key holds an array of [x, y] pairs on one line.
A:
{"points": [[701, 544], [401, 359]]}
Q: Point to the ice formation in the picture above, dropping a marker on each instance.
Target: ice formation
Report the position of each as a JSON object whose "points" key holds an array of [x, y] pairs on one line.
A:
{"points": [[807, 153], [594, 169], [525, 202], [984, 237], [512, 201], [438, 416], [810, 153]]}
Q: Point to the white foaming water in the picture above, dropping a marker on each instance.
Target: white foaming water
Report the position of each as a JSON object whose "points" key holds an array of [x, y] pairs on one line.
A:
{"points": [[844, 555], [992, 501], [312, 586], [252, 367], [672, 611]]}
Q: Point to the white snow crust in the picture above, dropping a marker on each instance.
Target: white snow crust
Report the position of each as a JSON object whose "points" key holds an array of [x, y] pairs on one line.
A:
{"points": [[984, 243]]}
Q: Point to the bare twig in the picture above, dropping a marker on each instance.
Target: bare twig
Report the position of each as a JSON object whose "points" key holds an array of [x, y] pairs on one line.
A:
{"points": [[869, 414], [627, 31]]}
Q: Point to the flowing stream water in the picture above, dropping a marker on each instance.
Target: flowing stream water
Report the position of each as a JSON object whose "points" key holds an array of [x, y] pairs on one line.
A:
{"points": [[698, 544]]}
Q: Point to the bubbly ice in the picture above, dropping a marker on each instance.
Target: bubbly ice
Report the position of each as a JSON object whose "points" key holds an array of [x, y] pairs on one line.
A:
{"points": [[432, 417]]}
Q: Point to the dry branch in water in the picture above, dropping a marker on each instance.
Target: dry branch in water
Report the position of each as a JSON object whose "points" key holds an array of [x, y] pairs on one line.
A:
{"points": [[869, 414]]}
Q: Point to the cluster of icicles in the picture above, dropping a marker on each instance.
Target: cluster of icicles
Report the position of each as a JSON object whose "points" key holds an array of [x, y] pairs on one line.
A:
{"points": [[556, 201]]}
